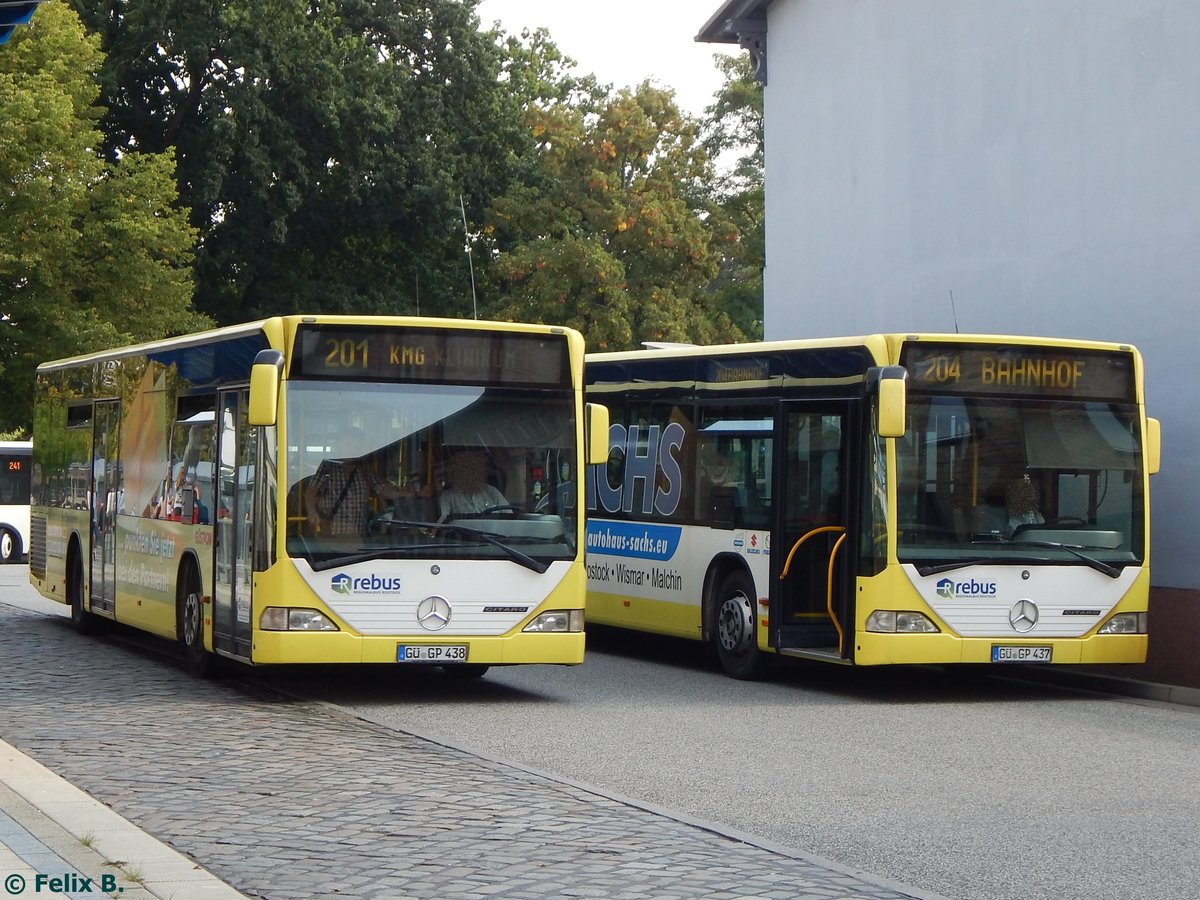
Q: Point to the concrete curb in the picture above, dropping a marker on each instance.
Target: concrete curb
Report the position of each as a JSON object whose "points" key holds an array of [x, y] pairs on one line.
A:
{"points": [[119, 847], [1112, 684]]}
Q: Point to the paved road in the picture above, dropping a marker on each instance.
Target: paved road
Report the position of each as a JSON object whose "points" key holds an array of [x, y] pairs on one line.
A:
{"points": [[979, 789], [286, 798], [985, 789]]}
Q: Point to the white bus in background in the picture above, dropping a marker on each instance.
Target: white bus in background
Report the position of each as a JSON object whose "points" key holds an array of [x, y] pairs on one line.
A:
{"points": [[14, 499]]}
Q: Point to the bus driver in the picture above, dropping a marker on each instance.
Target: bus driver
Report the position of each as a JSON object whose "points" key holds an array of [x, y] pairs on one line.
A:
{"points": [[468, 492]]}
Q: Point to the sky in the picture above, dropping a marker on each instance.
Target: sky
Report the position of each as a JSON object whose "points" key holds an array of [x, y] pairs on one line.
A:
{"points": [[626, 41]]}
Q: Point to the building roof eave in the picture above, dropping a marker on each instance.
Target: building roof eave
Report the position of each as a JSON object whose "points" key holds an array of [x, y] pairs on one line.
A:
{"points": [[741, 22]]}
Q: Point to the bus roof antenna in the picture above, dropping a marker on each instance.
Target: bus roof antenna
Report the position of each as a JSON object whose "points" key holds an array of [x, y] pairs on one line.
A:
{"points": [[953, 311], [467, 239]]}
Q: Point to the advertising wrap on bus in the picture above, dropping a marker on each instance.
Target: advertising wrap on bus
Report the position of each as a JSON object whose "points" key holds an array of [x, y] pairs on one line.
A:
{"points": [[631, 539]]}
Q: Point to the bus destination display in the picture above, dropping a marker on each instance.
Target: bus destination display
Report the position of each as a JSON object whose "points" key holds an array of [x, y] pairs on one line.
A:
{"points": [[431, 355], [1049, 372]]}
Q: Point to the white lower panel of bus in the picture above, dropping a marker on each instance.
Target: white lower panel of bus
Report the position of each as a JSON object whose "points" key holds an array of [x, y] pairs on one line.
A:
{"points": [[1028, 602], [664, 563], [474, 597]]}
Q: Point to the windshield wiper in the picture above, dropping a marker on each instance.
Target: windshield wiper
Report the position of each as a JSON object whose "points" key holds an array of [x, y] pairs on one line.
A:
{"points": [[401, 552], [1098, 565], [978, 561], [1075, 550]]}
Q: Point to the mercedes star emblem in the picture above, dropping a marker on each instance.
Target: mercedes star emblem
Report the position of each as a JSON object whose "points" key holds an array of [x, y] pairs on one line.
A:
{"points": [[1023, 615], [434, 613]]}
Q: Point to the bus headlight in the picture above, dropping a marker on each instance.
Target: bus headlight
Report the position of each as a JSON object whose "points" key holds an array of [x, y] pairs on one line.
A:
{"points": [[284, 618], [900, 621], [560, 620], [1127, 623]]}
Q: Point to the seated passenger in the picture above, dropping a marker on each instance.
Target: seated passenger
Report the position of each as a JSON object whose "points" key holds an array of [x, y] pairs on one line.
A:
{"points": [[199, 510], [468, 492], [341, 489]]}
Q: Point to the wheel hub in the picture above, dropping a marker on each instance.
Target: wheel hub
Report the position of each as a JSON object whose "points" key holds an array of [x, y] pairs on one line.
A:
{"points": [[734, 625], [191, 618]]}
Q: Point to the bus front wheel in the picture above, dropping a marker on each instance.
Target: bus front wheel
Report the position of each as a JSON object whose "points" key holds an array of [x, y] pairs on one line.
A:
{"points": [[734, 635], [9, 551], [82, 621], [190, 613]]}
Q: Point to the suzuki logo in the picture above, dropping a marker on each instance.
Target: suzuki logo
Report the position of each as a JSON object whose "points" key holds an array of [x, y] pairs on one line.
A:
{"points": [[1023, 615]]}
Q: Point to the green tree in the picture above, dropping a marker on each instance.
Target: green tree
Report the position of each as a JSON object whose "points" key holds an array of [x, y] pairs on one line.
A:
{"points": [[733, 135], [607, 232], [324, 149], [92, 254]]}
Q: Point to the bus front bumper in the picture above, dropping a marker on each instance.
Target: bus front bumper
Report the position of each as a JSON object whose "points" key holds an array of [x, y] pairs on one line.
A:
{"points": [[274, 647], [876, 649]]}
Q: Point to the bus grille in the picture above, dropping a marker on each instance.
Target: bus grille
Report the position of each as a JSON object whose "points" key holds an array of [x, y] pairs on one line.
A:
{"points": [[37, 546]]}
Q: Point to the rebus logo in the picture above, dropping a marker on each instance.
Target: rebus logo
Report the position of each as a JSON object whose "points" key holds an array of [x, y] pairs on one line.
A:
{"points": [[951, 589], [368, 584]]}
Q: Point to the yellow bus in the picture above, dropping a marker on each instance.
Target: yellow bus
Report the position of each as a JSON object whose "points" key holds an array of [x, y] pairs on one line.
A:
{"points": [[278, 492], [876, 500]]}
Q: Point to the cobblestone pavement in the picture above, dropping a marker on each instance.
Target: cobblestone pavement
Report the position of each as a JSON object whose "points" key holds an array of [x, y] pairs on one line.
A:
{"points": [[282, 798]]}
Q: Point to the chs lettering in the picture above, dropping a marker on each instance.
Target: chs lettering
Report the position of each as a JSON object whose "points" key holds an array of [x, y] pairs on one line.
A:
{"points": [[651, 470]]}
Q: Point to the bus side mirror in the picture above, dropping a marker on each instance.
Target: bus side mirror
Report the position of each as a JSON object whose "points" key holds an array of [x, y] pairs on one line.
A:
{"points": [[1153, 445], [893, 385], [264, 387], [595, 417]]}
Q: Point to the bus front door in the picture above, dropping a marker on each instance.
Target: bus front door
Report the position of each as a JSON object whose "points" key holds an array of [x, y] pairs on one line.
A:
{"points": [[233, 491], [103, 507], [811, 586]]}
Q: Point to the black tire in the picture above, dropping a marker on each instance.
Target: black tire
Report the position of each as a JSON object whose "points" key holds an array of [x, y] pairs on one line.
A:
{"points": [[10, 546], [734, 633], [189, 606], [82, 621], [466, 670]]}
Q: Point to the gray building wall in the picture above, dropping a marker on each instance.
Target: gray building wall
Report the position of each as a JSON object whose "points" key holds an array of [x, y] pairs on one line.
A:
{"points": [[1003, 166]]}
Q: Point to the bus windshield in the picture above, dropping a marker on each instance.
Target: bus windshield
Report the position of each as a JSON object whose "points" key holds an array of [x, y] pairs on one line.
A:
{"points": [[394, 470], [1030, 481]]}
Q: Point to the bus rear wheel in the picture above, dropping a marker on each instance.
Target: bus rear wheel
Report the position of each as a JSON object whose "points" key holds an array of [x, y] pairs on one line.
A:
{"points": [[190, 615], [734, 635]]}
